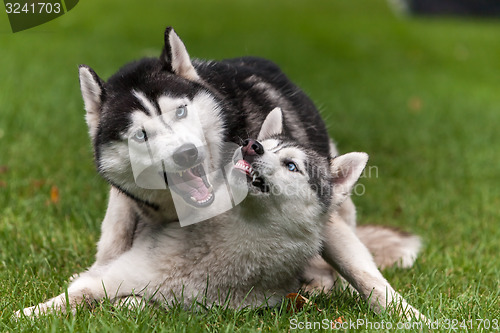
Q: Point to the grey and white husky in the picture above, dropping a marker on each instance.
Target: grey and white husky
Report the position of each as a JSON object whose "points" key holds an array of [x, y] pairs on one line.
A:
{"points": [[179, 115]]}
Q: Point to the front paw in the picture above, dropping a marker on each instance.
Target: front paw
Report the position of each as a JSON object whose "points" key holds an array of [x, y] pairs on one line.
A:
{"points": [[54, 304], [29, 312]]}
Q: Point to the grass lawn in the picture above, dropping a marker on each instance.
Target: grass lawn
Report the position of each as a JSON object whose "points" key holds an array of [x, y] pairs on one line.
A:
{"points": [[421, 96]]}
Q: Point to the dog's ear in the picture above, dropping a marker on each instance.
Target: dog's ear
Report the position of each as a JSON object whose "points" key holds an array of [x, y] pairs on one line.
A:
{"points": [[176, 58], [346, 170], [272, 125], [92, 88]]}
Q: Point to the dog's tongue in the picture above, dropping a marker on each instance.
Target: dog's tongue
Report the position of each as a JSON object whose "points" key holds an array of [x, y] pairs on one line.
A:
{"points": [[192, 184]]}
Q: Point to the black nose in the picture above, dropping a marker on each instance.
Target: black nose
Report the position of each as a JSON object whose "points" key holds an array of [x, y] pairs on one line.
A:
{"points": [[186, 155], [252, 147]]}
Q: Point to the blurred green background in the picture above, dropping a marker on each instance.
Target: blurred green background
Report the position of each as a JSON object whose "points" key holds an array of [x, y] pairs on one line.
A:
{"points": [[420, 95]]}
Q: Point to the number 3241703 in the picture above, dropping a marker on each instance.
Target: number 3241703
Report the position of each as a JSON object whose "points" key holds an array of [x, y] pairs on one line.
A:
{"points": [[33, 8]]}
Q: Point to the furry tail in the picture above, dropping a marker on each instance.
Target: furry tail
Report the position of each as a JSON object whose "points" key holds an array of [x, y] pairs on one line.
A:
{"points": [[389, 246]]}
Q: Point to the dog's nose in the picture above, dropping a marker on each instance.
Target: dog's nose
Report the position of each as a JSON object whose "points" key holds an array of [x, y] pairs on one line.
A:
{"points": [[186, 155], [252, 147]]}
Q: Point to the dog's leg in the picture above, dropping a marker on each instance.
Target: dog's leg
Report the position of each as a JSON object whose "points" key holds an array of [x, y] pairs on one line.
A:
{"points": [[85, 289], [124, 277], [344, 251], [117, 229], [347, 212], [117, 234], [58, 303]]}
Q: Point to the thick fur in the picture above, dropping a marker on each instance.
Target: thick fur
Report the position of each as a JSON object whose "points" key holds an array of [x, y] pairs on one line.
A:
{"points": [[142, 248]]}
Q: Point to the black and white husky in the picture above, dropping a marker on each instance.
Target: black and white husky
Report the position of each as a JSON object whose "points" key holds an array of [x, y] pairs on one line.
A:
{"points": [[164, 131]]}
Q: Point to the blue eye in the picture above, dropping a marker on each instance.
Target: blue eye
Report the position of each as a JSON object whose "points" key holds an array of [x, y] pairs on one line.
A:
{"points": [[291, 166], [181, 112], [140, 136]]}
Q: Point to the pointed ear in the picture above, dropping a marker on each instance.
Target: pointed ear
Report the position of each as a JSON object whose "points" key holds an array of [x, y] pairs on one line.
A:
{"points": [[346, 170], [272, 125], [175, 57], [92, 88]]}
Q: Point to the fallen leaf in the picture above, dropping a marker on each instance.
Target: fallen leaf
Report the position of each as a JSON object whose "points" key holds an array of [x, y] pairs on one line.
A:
{"points": [[336, 321], [3, 184], [415, 104], [54, 194], [4, 169], [298, 301]]}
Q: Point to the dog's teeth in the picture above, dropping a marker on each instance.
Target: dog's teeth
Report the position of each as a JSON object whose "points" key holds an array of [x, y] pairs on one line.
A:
{"points": [[203, 201]]}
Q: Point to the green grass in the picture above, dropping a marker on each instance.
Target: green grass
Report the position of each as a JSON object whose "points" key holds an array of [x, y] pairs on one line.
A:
{"points": [[419, 95]]}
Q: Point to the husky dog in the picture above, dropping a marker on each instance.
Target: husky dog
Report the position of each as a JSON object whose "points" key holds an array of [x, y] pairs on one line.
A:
{"points": [[250, 256], [143, 109], [230, 99]]}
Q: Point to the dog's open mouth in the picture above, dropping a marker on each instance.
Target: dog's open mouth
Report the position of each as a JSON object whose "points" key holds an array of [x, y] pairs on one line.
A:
{"points": [[252, 175], [193, 185]]}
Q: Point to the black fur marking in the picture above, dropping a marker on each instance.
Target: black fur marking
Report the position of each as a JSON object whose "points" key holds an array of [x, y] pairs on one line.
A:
{"points": [[157, 107], [165, 178], [135, 198], [248, 105], [166, 55]]}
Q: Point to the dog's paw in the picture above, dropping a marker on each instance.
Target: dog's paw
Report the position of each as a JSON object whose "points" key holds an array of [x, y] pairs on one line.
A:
{"points": [[410, 313], [56, 304], [18, 314], [32, 311]]}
